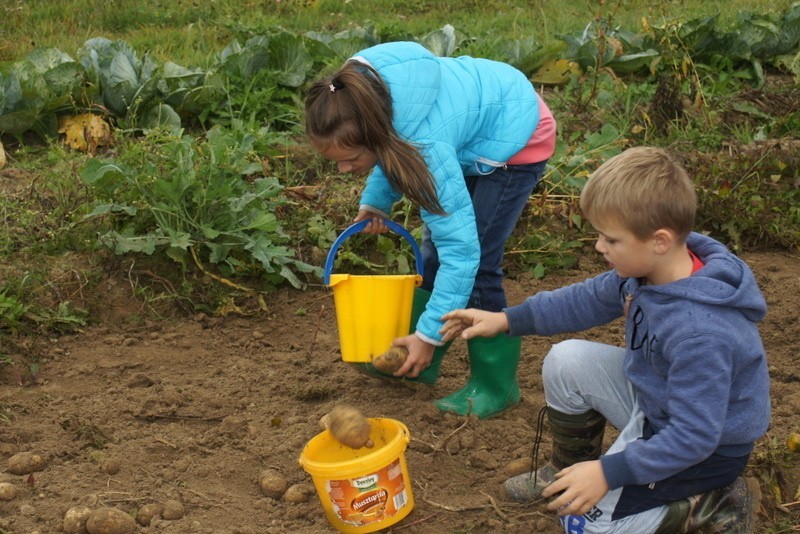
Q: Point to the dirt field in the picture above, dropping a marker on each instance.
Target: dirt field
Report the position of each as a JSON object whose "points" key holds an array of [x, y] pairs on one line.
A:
{"points": [[134, 412]]}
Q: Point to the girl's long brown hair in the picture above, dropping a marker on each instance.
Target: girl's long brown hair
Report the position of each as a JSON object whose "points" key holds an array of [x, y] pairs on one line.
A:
{"points": [[353, 108]]}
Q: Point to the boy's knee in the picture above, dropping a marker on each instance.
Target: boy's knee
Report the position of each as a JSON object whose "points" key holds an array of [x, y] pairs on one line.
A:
{"points": [[561, 359]]}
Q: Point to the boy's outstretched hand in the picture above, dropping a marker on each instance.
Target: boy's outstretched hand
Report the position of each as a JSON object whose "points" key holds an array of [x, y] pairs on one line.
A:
{"points": [[582, 485], [473, 323]]}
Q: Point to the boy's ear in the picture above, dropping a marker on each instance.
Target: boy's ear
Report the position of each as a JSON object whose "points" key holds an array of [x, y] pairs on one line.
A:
{"points": [[663, 240]]}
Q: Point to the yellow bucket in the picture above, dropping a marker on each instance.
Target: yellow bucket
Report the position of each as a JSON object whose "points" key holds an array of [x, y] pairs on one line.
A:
{"points": [[362, 490], [371, 310]]}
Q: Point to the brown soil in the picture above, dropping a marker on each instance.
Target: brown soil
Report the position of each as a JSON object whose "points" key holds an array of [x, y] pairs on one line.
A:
{"points": [[129, 413]]}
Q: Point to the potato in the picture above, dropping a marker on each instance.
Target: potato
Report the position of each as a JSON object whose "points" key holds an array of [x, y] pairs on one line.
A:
{"points": [[391, 360], [350, 427], [110, 521], [173, 510], [147, 513], [7, 491], [272, 483], [75, 520], [24, 463], [298, 493], [325, 421], [517, 467]]}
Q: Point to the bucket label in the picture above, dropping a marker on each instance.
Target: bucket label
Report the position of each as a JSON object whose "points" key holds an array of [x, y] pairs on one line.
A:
{"points": [[371, 498]]}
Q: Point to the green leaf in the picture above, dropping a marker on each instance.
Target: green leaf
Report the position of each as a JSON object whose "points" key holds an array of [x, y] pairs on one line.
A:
{"points": [[101, 173], [607, 135], [123, 244], [790, 30], [218, 252], [630, 63], [750, 109], [178, 239], [122, 78], [290, 59], [264, 222], [18, 122], [267, 253], [760, 34], [289, 276], [210, 233], [105, 209], [159, 116], [177, 254], [441, 42]]}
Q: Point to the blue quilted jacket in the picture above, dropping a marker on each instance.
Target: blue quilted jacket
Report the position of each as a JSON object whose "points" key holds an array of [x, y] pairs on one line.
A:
{"points": [[468, 116]]}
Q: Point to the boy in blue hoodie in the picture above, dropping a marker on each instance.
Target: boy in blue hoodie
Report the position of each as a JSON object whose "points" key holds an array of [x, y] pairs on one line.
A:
{"points": [[689, 393]]}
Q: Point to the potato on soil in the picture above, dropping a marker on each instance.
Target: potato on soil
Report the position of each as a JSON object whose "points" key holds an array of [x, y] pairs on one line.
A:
{"points": [[298, 493], [350, 427], [110, 521], [7, 491], [173, 510], [517, 467], [75, 520], [272, 483], [391, 360], [147, 513], [24, 463]]}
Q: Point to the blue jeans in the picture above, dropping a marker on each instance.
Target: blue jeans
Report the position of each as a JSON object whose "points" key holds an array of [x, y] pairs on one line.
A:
{"points": [[498, 199]]}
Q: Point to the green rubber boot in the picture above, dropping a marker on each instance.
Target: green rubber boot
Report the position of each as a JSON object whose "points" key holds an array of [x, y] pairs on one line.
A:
{"points": [[492, 385], [428, 376]]}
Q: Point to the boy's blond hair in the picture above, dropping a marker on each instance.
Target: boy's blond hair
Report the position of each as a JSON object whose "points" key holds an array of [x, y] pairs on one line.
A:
{"points": [[643, 189]]}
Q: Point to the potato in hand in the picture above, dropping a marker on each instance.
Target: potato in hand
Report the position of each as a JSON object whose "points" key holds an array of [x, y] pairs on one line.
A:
{"points": [[391, 360]]}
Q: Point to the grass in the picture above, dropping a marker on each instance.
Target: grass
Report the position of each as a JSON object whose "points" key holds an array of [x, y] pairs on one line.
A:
{"points": [[190, 32]]}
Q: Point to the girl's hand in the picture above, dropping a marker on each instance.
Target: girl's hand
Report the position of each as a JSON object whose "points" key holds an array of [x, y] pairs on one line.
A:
{"points": [[471, 323], [419, 357], [376, 224]]}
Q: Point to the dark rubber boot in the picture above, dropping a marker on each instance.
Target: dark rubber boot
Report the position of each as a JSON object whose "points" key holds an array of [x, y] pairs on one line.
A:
{"points": [[429, 375], [728, 510], [492, 386], [576, 438]]}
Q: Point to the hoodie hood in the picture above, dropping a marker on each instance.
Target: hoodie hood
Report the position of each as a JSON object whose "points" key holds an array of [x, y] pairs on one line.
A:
{"points": [[725, 280]]}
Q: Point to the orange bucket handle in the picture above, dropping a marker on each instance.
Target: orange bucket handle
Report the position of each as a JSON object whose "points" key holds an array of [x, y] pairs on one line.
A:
{"points": [[357, 227]]}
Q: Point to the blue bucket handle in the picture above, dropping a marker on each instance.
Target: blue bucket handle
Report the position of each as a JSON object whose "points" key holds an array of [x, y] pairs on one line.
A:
{"points": [[357, 227]]}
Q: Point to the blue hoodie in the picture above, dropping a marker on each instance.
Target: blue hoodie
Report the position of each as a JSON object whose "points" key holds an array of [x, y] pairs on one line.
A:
{"points": [[693, 355], [467, 116]]}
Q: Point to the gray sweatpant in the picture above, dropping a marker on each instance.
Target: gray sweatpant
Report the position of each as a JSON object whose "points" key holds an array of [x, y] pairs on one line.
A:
{"points": [[581, 375]]}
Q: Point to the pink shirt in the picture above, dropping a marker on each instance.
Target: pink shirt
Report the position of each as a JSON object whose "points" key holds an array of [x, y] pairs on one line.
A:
{"points": [[542, 143]]}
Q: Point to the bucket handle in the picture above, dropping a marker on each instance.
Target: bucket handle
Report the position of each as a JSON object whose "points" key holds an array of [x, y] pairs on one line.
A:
{"points": [[357, 227]]}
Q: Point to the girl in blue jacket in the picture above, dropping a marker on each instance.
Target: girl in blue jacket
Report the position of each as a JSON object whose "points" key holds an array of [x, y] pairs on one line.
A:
{"points": [[464, 139]]}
